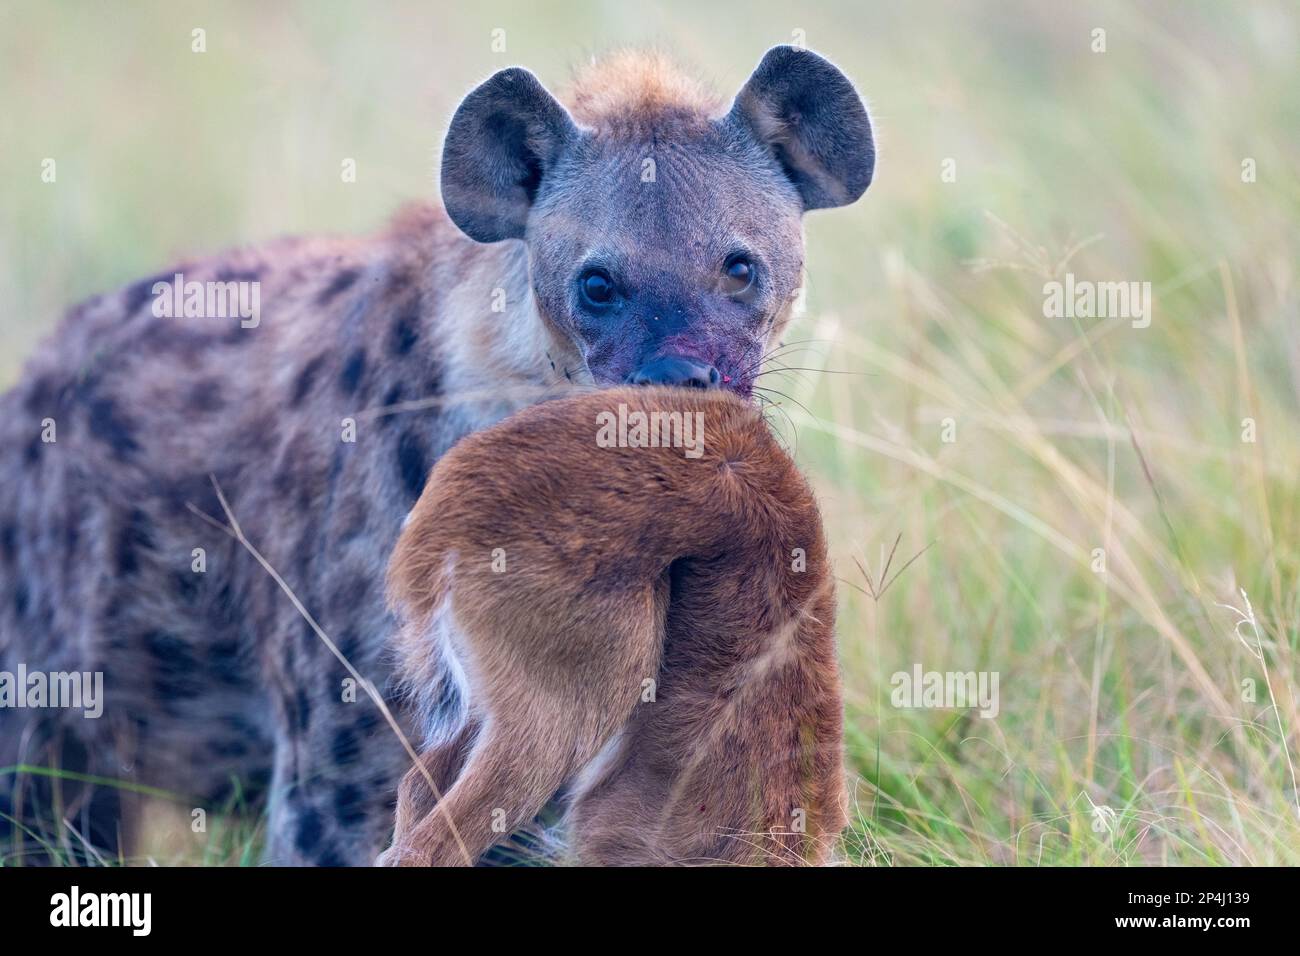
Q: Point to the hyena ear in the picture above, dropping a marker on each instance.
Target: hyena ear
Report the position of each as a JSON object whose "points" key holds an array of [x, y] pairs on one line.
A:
{"points": [[504, 137], [807, 113]]}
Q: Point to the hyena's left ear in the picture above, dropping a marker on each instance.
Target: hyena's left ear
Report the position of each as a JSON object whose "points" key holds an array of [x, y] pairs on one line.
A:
{"points": [[807, 113], [503, 139]]}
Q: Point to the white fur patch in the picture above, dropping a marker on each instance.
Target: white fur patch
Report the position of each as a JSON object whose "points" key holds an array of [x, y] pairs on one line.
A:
{"points": [[598, 768], [440, 689]]}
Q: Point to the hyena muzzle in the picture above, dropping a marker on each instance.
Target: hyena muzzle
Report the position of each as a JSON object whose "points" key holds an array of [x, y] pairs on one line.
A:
{"points": [[648, 233]]}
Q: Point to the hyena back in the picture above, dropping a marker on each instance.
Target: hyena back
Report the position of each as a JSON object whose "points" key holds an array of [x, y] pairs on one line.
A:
{"points": [[648, 234]]}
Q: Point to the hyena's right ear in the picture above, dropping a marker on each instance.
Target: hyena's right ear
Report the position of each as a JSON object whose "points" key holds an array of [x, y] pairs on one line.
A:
{"points": [[504, 137]]}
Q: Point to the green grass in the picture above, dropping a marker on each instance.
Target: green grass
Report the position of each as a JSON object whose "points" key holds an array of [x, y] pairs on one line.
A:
{"points": [[1120, 690], [166, 829]]}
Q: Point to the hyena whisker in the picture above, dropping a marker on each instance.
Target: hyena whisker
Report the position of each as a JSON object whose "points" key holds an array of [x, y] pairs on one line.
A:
{"points": [[784, 350], [760, 360], [822, 371], [789, 398], [801, 345], [767, 403], [796, 374], [804, 345]]}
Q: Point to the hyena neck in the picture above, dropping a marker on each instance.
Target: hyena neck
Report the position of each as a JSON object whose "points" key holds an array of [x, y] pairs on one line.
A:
{"points": [[503, 354]]}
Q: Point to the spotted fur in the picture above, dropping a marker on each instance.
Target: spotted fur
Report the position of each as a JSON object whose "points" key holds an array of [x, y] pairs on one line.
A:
{"points": [[216, 689]]}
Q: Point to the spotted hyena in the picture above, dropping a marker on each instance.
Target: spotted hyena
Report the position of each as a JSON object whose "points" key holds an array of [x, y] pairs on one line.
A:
{"points": [[648, 233]]}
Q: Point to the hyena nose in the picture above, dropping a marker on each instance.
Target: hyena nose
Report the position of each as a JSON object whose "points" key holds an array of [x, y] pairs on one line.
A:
{"points": [[676, 370]]}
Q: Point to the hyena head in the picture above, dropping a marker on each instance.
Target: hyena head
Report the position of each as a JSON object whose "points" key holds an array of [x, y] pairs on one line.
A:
{"points": [[664, 231]]}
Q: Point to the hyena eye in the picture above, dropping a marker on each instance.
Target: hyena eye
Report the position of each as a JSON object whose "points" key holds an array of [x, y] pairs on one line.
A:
{"points": [[597, 287], [737, 273]]}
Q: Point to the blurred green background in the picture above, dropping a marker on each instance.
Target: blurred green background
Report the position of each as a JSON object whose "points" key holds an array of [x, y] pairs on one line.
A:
{"points": [[1121, 690]]}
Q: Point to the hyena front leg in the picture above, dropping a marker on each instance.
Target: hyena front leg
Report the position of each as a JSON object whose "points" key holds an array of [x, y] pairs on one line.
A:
{"points": [[337, 764], [333, 791]]}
